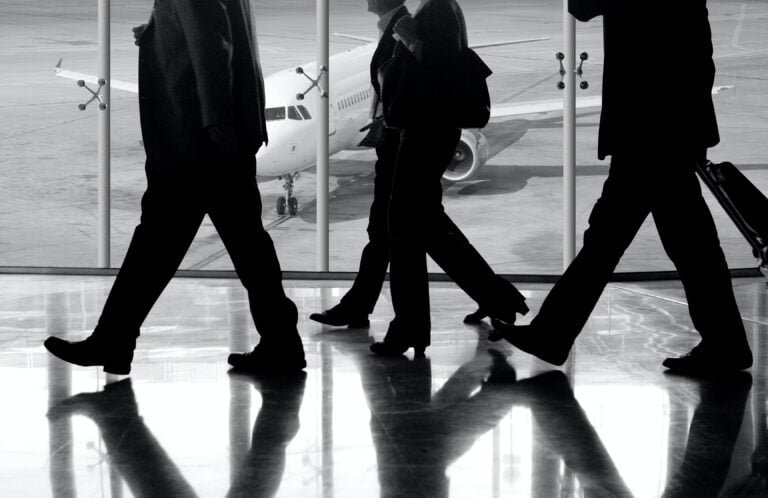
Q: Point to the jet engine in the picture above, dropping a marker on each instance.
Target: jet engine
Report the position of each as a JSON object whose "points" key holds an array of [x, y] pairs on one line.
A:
{"points": [[471, 153]]}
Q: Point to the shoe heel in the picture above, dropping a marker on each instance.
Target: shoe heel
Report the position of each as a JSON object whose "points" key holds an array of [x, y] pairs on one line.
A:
{"points": [[418, 351]]}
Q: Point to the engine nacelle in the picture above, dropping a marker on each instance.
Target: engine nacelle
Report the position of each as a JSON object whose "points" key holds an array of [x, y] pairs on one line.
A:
{"points": [[471, 154]]}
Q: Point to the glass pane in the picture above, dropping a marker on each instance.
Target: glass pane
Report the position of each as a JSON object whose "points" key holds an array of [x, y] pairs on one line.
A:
{"points": [[741, 87], [506, 186], [47, 146], [286, 36], [741, 57], [48, 214]]}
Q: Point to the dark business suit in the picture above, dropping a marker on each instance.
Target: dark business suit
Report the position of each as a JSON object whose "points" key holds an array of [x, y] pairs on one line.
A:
{"points": [[652, 167], [198, 68], [417, 220], [479, 282]]}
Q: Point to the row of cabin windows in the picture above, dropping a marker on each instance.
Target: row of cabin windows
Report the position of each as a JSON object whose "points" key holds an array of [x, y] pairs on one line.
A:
{"points": [[356, 98], [297, 113]]}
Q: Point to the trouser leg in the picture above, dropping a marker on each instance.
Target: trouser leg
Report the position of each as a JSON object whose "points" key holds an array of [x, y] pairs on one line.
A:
{"points": [[415, 212], [169, 222], [374, 260], [615, 219], [689, 236], [461, 261], [235, 210]]}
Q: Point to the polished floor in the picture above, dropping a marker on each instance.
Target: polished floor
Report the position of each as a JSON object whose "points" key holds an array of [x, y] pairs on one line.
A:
{"points": [[474, 419]]}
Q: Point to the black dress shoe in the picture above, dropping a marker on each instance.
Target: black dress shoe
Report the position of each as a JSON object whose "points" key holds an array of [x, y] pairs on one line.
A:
{"points": [[268, 360], [391, 348], [114, 354], [339, 318], [499, 319], [701, 361], [535, 341]]}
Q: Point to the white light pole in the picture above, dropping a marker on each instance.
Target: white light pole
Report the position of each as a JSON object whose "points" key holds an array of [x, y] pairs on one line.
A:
{"points": [[104, 142], [569, 138], [323, 129]]}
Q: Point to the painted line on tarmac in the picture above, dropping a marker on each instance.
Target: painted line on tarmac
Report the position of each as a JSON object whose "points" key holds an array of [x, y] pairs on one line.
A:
{"points": [[223, 252]]}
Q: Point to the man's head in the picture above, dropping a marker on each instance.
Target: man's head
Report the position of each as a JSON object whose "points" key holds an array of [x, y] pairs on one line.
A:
{"points": [[381, 7]]}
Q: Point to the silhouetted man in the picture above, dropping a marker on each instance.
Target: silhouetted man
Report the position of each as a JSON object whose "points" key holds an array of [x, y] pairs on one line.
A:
{"points": [[201, 98], [654, 140], [360, 300]]}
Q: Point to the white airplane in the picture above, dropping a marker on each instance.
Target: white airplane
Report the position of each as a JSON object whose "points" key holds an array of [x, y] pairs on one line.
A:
{"points": [[291, 95]]}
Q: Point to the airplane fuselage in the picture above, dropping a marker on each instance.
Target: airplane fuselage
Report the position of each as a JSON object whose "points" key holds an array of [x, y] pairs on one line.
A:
{"points": [[291, 125]]}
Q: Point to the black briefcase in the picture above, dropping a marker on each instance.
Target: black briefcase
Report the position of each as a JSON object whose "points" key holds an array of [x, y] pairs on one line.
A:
{"points": [[746, 205]]}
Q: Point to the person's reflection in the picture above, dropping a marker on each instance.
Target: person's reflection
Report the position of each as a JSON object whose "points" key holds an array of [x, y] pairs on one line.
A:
{"points": [[714, 429], [756, 482], [146, 467], [133, 450], [566, 431], [418, 435], [276, 425]]}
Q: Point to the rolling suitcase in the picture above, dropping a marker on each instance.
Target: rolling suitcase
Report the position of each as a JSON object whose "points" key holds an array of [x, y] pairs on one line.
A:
{"points": [[743, 202]]}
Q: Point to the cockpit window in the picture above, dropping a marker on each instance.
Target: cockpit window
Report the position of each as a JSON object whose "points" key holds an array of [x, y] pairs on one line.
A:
{"points": [[275, 113], [304, 112], [293, 113]]}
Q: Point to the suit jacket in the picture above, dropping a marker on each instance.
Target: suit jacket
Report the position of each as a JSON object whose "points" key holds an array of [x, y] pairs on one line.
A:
{"points": [[657, 75], [198, 67]]}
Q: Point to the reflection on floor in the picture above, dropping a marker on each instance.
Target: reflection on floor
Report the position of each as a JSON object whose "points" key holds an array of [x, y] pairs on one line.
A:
{"points": [[474, 418]]}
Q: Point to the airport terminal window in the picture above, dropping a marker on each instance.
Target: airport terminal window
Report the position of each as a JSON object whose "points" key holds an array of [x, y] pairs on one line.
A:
{"points": [[275, 113], [514, 165]]}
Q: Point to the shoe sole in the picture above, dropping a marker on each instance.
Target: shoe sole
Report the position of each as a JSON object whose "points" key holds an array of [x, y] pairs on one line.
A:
{"points": [[350, 325], [111, 368]]}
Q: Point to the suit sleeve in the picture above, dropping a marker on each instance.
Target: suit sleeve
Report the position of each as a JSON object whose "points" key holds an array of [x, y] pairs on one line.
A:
{"points": [[208, 34], [584, 10]]}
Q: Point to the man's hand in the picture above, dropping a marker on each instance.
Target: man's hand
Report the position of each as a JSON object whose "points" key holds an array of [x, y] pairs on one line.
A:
{"points": [[224, 137], [375, 133], [406, 29], [137, 32]]}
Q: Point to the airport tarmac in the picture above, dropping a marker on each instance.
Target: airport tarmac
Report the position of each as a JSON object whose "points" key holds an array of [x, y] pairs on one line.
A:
{"points": [[512, 210]]}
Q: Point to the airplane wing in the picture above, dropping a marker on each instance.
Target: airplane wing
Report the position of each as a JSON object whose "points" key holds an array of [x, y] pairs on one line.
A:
{"points": [[90, 78], [356, 38], [480, 45], [509, 42], [522, 108]]}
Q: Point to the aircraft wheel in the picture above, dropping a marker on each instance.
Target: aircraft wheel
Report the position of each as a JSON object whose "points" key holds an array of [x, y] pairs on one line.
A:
{"points": [[293, 206], [280, 205]]}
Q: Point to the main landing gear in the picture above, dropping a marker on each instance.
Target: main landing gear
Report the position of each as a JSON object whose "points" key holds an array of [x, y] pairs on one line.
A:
{"points": [[287, 202]]}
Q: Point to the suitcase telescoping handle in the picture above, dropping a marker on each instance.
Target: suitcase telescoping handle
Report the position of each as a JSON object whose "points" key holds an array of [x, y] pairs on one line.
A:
{"points": [[743, 203]]}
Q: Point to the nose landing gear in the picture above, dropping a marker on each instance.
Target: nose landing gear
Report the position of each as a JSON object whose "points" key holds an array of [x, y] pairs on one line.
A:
{"points": [[287, 202]]}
